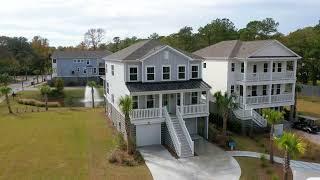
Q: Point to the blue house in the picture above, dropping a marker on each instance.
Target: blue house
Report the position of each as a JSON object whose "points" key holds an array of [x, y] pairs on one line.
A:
{"points": [[78, 67]]}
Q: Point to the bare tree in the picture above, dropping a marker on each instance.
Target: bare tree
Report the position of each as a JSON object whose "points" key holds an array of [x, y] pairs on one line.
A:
{"points": [[93, 37]]}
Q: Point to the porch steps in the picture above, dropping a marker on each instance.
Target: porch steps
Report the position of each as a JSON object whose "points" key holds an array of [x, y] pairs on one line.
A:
{"points": [[243, 114], [185, 148]]}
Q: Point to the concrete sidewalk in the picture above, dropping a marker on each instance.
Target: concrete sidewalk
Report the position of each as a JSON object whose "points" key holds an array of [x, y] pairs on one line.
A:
{"points": [[300, 169]]}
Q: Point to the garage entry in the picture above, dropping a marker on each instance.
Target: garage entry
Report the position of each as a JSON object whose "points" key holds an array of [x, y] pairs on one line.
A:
{"points": [[148, 134]]}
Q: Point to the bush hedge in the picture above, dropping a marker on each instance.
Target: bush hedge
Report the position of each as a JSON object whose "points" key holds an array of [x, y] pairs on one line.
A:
{"points": [[33, 102]]}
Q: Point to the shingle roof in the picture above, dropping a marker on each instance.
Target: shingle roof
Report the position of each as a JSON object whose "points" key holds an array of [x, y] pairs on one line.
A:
{"points": [[167, 86], [68, 54], [142, 49], [233, 48]]}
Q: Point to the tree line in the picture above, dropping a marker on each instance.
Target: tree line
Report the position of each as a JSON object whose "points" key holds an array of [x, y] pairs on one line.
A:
{"points": [[18, 56]]}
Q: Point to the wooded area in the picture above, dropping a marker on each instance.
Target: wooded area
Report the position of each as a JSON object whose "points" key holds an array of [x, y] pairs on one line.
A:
{"points": [[18, 56]]}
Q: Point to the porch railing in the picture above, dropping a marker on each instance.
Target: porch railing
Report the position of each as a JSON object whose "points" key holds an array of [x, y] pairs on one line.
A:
{"points": [[252, 77], [282, 97], [282, 75], [257, 99], [194, 109], [185, 130], [252, 100], [145, 113], [258, 76], [172, 132]]}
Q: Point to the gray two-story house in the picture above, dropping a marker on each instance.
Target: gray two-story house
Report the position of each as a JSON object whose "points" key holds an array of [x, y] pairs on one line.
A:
{"points": [[76, 67], [170, 99]]}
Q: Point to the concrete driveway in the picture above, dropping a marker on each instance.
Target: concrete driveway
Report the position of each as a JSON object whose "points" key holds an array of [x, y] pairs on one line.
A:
{"points": [[211, 163]]}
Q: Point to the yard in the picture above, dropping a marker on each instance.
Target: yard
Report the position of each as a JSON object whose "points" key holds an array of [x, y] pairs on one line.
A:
{"points": [[62, 143]]}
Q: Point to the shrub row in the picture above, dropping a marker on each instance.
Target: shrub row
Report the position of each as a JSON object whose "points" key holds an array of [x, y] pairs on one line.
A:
{"points": [[33, 102]]}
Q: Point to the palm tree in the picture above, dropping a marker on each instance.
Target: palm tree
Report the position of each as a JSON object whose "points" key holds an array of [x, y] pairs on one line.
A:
{"points": [[273, 117], [125, 103], [225, 103], [45, 90], [5, 90], [292, 146], [92, 84]]}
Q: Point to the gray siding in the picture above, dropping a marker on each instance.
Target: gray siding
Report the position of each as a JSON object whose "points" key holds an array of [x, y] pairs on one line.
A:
{"points": [[191, 124], [66, 66], [166, 138]]}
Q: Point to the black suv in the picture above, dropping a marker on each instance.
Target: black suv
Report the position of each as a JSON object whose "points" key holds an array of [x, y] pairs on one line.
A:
{"points": [[307, 124]]}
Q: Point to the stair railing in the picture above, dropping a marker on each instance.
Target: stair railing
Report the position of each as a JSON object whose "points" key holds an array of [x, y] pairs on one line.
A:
{"points": [[185, 130], [172, 132]]}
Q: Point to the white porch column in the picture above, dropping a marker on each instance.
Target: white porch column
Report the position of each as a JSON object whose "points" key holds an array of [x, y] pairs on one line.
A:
{"points": [[207, 99], [270, 89], [160, 104], [271, 69], [294, 68], [293, 90], [244, 95], [181, 102], [245, 70]]}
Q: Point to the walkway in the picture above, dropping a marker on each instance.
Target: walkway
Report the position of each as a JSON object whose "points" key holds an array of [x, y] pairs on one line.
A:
{"points": [[300, 169], [211, 163]]}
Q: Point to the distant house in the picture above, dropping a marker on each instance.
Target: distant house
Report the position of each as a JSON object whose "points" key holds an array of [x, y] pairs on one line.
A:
{"points": [[261, 74], [170, 99], [76, 67]]}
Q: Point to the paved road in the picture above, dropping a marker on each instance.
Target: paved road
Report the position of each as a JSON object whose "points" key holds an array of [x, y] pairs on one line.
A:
{"points": [[211, 163], [315, 138], [300, 169]]}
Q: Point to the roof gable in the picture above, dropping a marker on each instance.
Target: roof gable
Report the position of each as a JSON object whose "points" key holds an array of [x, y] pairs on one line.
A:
{"points": [[274, 49]]}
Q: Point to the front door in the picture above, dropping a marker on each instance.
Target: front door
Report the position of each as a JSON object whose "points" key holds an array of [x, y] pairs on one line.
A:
{"points": [[169, 101]]}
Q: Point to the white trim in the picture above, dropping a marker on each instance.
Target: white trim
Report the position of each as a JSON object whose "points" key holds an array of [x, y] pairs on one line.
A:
{"points": [[133, 66], [185, 72], [146, 73], [166, 65], [167, 91], [166, 46], [112, 71], [198, 71]]}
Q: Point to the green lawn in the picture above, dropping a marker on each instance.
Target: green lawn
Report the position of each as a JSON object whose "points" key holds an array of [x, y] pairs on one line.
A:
{"points": [[60, 144], [309, 105]]}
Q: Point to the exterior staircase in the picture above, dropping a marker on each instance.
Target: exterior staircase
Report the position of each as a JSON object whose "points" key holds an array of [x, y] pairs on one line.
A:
{"points": [[185, 148], [250, 114]]}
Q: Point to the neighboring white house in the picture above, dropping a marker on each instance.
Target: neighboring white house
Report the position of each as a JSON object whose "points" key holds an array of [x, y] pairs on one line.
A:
{"points": [[170, 99], [262, 74]]}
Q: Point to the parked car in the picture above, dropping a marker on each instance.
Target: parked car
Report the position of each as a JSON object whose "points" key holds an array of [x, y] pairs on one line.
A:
{"points": [[307, 124]]}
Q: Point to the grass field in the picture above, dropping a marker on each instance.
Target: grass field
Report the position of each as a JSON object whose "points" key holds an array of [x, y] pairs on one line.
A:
{"points": [[60, 144], [309, 105]]}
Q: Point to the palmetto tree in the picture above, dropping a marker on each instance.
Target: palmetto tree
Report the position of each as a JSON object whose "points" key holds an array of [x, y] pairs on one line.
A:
{"points": [[225, 103], [5, 90], [45, 90], [273, 117], [292, 146], [125, 103], [92, 84]]}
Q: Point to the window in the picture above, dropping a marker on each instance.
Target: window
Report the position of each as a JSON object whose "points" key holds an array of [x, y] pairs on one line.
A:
{"points": [[194, 71], [112, 70], [181, 72], [78, 69], [119, 126], [54, 61], [178, 99], [241, 90], [278, 88], [272, 89], [79, 61], [165, 100], [150, 73], [74, 61], [232, 67], [133, 71], [107, 87], [194, 98], [134, 102], [84, 71], [106, 68], [150, 101], [290, 65], [166, 73], [265, 67], [279, 67], [254, 91], [242, 67], [94, 70], [264, 90], [273, 67], [88, 61], [204, 65], [254, 68], [232, 89], [112, 98], [166, 55]]}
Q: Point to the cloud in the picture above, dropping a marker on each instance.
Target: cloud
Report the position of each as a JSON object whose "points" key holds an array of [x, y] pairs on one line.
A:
{"points": [[64, 22]]}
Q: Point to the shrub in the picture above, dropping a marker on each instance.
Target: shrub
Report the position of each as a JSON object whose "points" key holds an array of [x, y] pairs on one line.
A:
{"points": [[235, 126], [116, 156], [122, 143], [275, 177], [212, 132], [59, 85], [33, 102], [263, 161], [138, 157]]}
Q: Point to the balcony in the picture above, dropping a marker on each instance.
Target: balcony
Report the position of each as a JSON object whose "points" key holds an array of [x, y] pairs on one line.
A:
{"points": [[194, 110], [260, 100], [274, 76], [149, 113]]}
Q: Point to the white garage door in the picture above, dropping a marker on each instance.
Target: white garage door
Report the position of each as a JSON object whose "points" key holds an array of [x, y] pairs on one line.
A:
{"points": [[148, 134]]}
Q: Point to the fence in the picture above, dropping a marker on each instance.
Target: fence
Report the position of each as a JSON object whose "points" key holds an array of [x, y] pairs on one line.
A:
{"points": [[309, 90]]}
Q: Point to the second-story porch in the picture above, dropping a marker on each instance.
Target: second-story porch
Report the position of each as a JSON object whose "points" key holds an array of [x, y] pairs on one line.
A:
{"points": [[192, 101]]}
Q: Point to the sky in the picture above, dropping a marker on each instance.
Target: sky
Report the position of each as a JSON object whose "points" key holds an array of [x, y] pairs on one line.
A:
{"points": [[64, 22]]}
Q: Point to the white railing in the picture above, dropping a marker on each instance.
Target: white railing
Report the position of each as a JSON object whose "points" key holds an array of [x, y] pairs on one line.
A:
{"points": [[242, 114], [283, 75], [145, 113], [258, 76], [282, 97], [172, 132], [194, 109], [258, 118], [185, 130], [257, 100]]}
